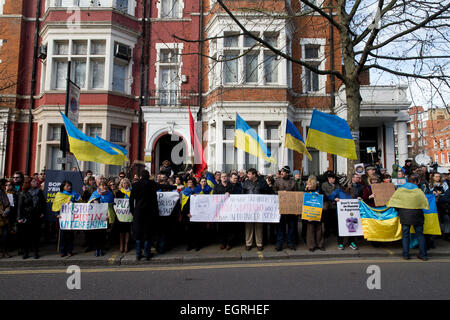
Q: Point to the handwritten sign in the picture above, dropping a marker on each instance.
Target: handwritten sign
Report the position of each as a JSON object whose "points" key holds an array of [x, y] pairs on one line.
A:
{"points": [[235, 208], [383, 192], [83, 216], [166, 202], [312, 206], [122, 209], [349, 218], [290, 202]]}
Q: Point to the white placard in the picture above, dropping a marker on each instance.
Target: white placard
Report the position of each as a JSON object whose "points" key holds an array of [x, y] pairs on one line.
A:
{"points": [[166, 202], [83, 216], [122, 209], [11, 199], [235, 208], [349, 218]]}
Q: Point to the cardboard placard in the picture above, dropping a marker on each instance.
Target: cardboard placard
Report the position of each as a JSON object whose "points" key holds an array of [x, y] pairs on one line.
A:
{"points": [[290, 202], [383, 192]]}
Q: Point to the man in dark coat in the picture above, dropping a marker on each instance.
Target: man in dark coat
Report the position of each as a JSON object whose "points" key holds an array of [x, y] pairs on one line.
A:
{"points": [[286, 183], [144, 208]]}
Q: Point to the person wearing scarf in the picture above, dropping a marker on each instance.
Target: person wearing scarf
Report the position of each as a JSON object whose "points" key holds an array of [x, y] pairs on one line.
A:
{"points": [[66, 195], [124, 227], [193, 230], [409, 200], [102, 195]]}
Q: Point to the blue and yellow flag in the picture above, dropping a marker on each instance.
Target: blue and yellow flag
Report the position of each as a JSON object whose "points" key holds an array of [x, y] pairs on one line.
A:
{"points": [[96, 149], [380, 224], [293, 140], [431, 224], [210, 180], [329, 133], [246, 139]]}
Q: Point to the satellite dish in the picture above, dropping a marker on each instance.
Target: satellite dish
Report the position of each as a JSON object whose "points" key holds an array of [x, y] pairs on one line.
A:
{"points": [[422, 159]]}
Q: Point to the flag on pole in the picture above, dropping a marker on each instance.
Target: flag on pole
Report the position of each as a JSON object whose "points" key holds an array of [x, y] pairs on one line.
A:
{"points": [[96, 149], [293, 140], [197, 147], [329, 133], [246, 139]]}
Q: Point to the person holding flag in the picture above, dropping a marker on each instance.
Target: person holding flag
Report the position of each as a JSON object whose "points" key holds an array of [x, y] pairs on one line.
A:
{"points": [[193, 230], [66, 195]]}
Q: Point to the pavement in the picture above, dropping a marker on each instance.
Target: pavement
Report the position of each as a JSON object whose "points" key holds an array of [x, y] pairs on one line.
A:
{"points": [[213, 254]]}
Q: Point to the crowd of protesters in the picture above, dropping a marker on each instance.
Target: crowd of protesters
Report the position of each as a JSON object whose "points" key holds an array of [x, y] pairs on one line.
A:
{"points": [[23, 207]]}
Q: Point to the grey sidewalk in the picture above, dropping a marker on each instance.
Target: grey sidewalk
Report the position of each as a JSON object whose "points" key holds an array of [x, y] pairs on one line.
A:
{"points": [[212, 253]]}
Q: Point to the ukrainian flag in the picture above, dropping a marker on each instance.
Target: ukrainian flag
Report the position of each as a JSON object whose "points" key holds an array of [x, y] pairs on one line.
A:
{"points": [[96, 149], [293, 140], [329, 133], [246, 139], [62, 198], [210, 180], [380, 224], [431, 224]]}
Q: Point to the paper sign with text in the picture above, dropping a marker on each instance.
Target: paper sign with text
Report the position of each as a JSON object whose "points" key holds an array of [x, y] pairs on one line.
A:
{"points": [[312, 206], [349, 218]]}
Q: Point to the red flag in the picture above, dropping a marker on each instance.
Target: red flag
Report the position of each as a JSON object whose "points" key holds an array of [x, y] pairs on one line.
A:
{"points": [[196, 146]]}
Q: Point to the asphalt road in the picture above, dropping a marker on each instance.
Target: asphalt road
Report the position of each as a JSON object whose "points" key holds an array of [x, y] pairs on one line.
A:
{"points": [[276, 280]]}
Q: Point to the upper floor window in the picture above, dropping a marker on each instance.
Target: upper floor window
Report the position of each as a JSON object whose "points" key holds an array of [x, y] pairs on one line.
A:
{"points": [[169, 75], [313, 54], [125, 6], [170, 9]]}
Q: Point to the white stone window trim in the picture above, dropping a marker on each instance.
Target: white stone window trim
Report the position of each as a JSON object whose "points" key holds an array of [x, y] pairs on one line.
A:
{"points": [[319, 3], [168, 46], [179, 14], [321, 42], [108, 56]]}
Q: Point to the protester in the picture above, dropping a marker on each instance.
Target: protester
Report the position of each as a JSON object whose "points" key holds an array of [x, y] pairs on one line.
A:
{"points": [[88, 188], [298, 179], [37, 215], [193, 229], [18, 181], [66, 195], [368, 195], [437, 185], [408, 167], [410, 201], [24, 218], [4, 219], [286, 183], [254, 231], [144, 208], [225, 228], [329, 210], [166, 168], [344, 192], [357, 187], [124, 228], [102, 195], [314, 229], [386, 178]]}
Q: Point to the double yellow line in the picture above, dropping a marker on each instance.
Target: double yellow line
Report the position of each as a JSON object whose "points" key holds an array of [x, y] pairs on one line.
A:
{"points": [[219, 266]]}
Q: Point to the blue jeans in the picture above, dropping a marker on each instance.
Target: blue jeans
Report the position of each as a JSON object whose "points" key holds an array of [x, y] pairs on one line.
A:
{"points": [[419, 234], [147, 248], [290, 221]]}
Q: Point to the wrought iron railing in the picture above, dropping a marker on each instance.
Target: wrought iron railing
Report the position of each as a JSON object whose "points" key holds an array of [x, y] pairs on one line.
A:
{"points": [[173, 98]]}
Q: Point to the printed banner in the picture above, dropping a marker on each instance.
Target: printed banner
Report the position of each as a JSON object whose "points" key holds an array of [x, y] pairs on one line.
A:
{"points": [[349, 218], [83, 216], [235, 208], [166, 202], [53, 179], [312, 206], [122, 209], [398, 181]]}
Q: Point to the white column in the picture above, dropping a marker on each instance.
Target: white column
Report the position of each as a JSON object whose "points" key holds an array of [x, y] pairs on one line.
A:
{"points": [[402, 136], [219, 145], [390, 145]]}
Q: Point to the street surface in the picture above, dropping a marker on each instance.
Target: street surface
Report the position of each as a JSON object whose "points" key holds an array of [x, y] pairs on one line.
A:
{"points": [[275, 280]]}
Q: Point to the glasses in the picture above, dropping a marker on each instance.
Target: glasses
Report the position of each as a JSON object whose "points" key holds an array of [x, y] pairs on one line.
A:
{"points": [[16, 177]]}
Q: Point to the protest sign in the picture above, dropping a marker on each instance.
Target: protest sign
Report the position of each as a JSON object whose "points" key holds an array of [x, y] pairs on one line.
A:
{"points": [[383, 192], [290, 202], [166, 202], [235, 208], [53, 179], [312, 206], [398, 181], [359, 169], [11, 199], [83, 216], [122, 209], [349, 218]]}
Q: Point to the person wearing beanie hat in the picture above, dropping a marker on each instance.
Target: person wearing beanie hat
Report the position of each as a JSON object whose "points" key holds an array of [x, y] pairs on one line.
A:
{"points": [[286, 183], [297, 178], [344, 191]]}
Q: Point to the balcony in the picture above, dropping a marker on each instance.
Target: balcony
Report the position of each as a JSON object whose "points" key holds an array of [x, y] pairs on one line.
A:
{"points": [[173, 98]]}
